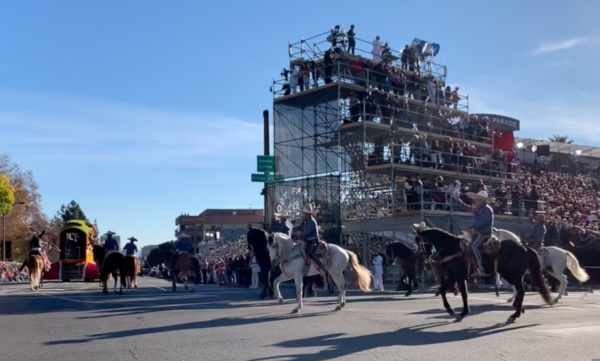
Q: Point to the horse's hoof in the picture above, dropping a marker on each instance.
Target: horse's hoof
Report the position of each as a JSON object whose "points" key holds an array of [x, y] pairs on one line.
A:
{"points": [[510, 320], [459, 318], [135, 286], [343, 304], [437, 294], [450, 312], [510, 300], [555, 301], [294, 311], [280, 300], [338, 308]]}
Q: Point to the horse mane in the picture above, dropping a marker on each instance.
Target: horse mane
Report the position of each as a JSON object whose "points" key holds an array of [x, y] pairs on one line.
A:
{"points": [[451, 237]]}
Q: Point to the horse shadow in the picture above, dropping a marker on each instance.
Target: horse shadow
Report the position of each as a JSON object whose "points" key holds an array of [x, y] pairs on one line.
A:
{"points": [[440, 313], [339, 346], [220, 322]]}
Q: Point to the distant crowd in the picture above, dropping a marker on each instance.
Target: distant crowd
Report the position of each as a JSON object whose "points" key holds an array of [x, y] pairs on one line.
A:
{"points": [[9, 272]]}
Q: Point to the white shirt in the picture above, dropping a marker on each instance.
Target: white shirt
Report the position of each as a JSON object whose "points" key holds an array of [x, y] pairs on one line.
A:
{"points": [[376, 50]]}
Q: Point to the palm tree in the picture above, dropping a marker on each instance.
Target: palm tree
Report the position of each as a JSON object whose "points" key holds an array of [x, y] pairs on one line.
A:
{"points": [[560, 139]]}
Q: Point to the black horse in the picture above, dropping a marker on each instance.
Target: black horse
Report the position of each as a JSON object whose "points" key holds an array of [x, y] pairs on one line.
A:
{"points": [[257, 242], [410, 262], [113, 263], [514, 260]]}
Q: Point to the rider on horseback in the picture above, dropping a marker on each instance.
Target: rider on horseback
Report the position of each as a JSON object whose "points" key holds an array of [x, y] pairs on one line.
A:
{"points": [[183, 245], [110, 244], [482, 224], [310, 235], [130, 248], [538, 231], [283, 225], [35, 246]]}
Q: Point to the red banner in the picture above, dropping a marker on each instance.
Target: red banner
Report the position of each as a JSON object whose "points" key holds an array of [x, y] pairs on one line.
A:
{"points": [[504, 141]]}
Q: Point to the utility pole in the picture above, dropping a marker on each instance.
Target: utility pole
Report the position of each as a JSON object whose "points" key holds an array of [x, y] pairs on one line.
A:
{"points": [[4, 233], [267, 152]]}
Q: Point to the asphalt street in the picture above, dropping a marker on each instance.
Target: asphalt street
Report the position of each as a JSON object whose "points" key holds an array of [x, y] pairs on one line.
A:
{"points": [[74, 321]]}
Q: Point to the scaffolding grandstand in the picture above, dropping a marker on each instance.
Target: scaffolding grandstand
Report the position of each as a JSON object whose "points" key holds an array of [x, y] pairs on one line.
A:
{"points": [[370, 137]]}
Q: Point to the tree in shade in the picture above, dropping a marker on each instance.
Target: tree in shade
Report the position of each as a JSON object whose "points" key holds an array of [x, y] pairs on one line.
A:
{"points": [[97, 236], [71, 211], [158, 255], [560, 139]]}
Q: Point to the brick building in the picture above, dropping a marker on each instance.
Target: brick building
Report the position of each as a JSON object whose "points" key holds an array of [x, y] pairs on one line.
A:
{"points": [[216, 225]]}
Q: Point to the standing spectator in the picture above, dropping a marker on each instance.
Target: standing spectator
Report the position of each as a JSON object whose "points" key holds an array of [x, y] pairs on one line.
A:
{"points": [[255, 271], [376, 50], [378, 274], [351, 40]]}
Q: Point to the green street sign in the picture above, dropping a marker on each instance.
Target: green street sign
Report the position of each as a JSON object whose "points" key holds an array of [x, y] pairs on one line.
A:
{"points": [[262, 178], [265, 163]]}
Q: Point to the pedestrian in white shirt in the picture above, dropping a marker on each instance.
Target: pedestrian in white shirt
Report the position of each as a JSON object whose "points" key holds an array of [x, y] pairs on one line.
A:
{"points": [[378, 274], [255, 271], [294, 79], [376, 50]]}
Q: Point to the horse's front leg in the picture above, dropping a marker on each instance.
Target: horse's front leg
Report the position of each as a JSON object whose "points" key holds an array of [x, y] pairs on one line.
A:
{"points": [[443, 288], [174, 280], [282, 278], [462, 286], [298, 282]]}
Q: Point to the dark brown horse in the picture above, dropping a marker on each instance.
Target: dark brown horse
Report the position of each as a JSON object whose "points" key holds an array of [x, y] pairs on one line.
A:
{"points": [[183, 262], [114, 262], [35, 267], [132, 268]]}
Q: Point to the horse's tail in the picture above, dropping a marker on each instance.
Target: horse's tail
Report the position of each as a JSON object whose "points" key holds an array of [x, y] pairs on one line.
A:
{"points": [[362, 274], [575, 268], [535, 269], [196, 270]]}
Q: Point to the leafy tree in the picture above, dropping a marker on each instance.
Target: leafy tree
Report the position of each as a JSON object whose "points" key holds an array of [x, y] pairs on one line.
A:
{"points": [[70, 212], [29, 214], [97, 237], [560, 139], [7, 195], [156, 257]]}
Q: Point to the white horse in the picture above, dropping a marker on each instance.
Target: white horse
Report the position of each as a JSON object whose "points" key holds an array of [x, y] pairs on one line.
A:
{"points": [[290, 258], [554, 261]]}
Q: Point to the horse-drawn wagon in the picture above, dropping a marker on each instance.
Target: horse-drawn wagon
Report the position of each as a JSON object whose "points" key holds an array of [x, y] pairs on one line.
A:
{"points": [[76, 259]]}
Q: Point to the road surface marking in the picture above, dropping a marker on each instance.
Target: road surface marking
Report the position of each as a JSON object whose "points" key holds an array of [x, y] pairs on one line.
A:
{"points": [[574, 331], [160, 288]]}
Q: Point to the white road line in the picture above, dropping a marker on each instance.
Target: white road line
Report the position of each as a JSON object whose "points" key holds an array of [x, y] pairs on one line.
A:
{"points": [[160, 288]]}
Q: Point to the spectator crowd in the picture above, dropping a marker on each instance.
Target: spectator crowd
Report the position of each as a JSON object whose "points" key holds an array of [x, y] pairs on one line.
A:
{"points": [[9, 272]]}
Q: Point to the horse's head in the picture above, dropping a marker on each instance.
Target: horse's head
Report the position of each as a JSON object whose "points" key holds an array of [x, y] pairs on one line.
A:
{"points": [[257, 238], [439, 238]]}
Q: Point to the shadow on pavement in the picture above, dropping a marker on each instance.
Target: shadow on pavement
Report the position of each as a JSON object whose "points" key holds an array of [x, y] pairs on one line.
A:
{"points": [[220, 322], [340, 346]]}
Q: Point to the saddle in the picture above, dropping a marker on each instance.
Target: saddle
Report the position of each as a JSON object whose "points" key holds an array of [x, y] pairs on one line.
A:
{"points": [[322, 251], [108, 253], [490, 247]]}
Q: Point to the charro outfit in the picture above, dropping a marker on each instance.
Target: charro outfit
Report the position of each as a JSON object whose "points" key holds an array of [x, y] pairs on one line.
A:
{"points": [[482, 226], [536, 236], [283, 226], [35, 248], [183, 246], [311, 237], [130, 248]]}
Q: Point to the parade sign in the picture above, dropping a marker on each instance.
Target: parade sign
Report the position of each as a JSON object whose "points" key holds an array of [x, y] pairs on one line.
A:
{"points": [[501, 122]]}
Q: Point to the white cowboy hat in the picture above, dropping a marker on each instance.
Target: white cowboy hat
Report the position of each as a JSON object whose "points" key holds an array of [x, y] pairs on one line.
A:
{"points": [[421, 226], [109, 233], [308, 209], [282, 214], [483, 195]]}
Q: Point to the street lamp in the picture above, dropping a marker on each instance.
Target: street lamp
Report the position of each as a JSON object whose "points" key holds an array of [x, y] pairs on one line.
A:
{"points": [[4, 233]]}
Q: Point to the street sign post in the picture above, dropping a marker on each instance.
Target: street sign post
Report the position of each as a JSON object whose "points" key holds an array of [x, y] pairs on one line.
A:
{"points": [[265, 163], [262, 178]]}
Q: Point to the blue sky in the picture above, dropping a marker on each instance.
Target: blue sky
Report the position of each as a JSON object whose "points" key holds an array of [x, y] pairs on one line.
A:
{"points": [[142, 110]]}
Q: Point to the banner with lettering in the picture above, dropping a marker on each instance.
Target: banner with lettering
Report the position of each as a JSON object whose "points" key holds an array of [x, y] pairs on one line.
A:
{"points": [[501, 122]]}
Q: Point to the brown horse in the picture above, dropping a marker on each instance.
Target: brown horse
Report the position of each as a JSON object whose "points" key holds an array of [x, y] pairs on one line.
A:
{"points": [[132, 268], [183, 262], [35, 266], [114, 262]]}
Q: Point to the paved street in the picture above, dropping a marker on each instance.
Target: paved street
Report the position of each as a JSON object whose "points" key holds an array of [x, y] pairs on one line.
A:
{"points": [[74, 321]]}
